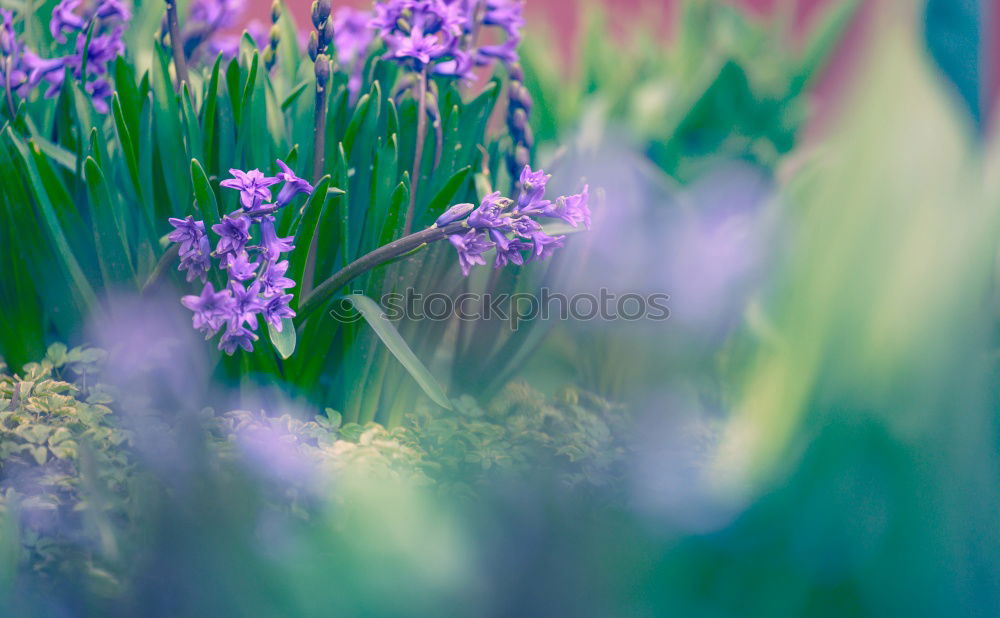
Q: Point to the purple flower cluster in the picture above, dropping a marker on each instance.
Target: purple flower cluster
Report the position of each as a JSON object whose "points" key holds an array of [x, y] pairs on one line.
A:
{"points": [[510, 225], [444, 34], [352, 37], [205, 35], [13, 71], [88, 61], [257, 284]]}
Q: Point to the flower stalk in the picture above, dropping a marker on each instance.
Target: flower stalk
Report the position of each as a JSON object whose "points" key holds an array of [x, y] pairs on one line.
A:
{"points": [[180, 62], [384, 254], [319, 42]]}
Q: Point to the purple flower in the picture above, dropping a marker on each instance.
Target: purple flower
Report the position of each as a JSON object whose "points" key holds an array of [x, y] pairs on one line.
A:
{"points": [[187, 232], [103, 24], [276, 309], [572, 209], [216, 13], [252, 185], [470, 246], [524, 226], [417, 47], [505, 14], [274, 279], [211, 308], [490, 212], [247, 303], [421, 32], [543, 245], [197, 261], [293, 185], [65, 20], [236, 337], [511, 252], [456, 212], [103, 49], [241, 268], [530, 199], [271, 244], [113, 9], [234, 232], [352, 34]]}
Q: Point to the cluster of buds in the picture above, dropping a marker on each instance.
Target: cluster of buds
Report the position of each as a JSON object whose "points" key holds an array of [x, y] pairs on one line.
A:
{"points": [[518, 111], [320, 39], [274, 37]]}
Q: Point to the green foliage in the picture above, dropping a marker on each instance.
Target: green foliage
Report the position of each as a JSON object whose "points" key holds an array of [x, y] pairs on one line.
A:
{"points": [[64, 463], [724, 87]]}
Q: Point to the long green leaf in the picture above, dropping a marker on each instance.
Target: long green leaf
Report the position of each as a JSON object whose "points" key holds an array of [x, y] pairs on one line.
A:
{"points": [[387, 332]]}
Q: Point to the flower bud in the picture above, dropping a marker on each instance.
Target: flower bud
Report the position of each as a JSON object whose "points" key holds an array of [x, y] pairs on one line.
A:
{"points": [[275, 35], [313, 46], [456, 212], [320, 13], [275, 11], [322, 70]]}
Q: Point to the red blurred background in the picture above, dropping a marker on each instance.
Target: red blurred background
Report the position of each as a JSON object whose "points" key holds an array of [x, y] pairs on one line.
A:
{"points": [[563, 18]]}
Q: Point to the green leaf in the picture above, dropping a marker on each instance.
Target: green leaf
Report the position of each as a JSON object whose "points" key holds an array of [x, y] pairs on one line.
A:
{"points": [[388, 334], [284, 341], [127, 145], [56, 234], [311, 215], [109, 227], [204, 195], [295, 94], [56, 152], [440, 202]]}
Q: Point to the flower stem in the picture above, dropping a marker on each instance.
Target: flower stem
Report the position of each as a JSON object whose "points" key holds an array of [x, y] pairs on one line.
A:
{"points": [[363, 264], [418, 153], [180, 63], [319, 127]]}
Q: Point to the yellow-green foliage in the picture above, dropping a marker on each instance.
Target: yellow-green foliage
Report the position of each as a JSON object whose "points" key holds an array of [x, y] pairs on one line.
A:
{"points": [[64, 466]]}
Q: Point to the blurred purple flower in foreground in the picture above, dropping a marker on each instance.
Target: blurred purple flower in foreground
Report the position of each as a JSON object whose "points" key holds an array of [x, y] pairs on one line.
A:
{"points": [[255, 274]]}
